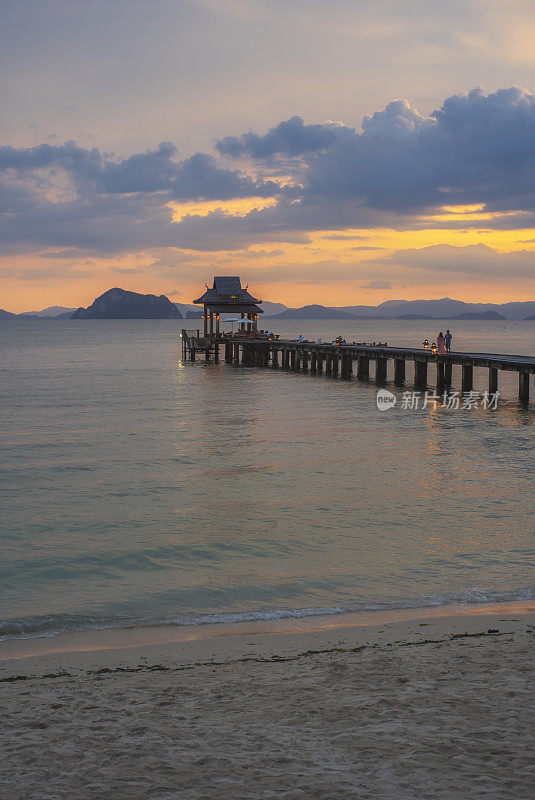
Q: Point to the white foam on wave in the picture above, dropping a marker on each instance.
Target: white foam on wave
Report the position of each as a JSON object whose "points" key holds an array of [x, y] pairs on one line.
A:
{"points": [[53, 626]]}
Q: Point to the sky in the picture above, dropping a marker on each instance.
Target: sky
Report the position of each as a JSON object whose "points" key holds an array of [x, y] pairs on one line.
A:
{"points": [[339, 153]]}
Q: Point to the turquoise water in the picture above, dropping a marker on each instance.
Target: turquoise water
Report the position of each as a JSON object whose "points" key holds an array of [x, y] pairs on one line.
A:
{"points": [[136, 488]]}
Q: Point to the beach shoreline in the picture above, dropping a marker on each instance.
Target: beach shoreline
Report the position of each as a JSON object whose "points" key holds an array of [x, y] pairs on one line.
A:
{"points": [[121, 647], [434, 706]]}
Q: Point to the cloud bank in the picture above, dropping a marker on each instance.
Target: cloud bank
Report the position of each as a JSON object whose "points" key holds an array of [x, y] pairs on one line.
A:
{"points": [[397, 170]]}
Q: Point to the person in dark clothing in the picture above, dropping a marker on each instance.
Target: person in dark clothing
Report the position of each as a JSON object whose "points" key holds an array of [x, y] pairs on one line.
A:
{"points": [[448, 337]]}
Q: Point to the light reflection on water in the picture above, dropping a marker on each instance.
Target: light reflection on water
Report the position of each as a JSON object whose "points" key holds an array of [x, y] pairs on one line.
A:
{"points": [[138, 487]]}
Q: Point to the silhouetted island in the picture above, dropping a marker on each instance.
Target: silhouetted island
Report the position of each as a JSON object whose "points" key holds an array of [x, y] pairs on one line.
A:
{"points": [[480, 315], [121, 304]]}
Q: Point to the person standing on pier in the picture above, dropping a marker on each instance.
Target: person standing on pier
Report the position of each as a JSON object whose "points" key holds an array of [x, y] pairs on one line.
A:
{"points": [[448, 337], [441, 344]]}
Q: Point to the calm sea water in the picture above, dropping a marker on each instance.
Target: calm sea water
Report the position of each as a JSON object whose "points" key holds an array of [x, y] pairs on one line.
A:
{"points": [[136, 488]]}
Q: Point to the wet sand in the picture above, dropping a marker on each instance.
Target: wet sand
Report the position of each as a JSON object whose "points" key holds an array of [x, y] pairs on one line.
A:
{"points": [[439, 705]]}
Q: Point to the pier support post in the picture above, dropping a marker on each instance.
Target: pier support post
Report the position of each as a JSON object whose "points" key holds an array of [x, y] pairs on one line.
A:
{"points": [[363, 370], [380, 370], [334, 363], [293, 358], [441, 377], [313, 362], [523, 386], [493, 380], [274, 357], [467, 382], [399, 370], [285, 358], [247, 358], [304, 361], [420, 374], [347, 365], [319, 362], [329, 364], [207, 354], [228, 352], [447, 373], [192, 354]]}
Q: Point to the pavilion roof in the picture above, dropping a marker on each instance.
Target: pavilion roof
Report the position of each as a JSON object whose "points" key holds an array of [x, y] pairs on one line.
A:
{"points": [[227, 291]]}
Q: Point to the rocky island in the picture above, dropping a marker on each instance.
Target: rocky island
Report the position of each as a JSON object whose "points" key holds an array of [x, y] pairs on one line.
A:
{"points": [[121, 304]]}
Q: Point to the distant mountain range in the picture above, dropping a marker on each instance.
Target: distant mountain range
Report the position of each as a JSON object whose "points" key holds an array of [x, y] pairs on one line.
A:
{"points": [[444, 309], [313, 312]]}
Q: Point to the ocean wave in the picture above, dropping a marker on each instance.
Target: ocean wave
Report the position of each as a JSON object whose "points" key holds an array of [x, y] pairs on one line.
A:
{"points": [[54, 625]]}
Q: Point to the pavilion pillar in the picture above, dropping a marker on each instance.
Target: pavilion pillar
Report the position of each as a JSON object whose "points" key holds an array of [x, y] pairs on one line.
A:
{"points": [[217, 324], [211, 323], [420, 374], [205, 320], [493, 380], [467, 381], [399, 371], [523, 386], [363, 370]]}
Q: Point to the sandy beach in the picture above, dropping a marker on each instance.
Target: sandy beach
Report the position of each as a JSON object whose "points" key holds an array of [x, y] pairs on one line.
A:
{"points": [[434, 706]]}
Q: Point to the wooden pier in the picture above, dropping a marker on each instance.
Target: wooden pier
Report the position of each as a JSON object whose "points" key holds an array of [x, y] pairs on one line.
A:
{"points": [[348, 360]]}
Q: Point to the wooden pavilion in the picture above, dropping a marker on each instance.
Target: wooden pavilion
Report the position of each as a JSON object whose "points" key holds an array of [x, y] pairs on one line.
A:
{"points": [[228, 297]]}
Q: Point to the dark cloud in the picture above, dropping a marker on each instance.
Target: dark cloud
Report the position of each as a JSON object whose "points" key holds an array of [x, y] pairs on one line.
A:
{"points": [[476, 148], [198, 177], [91, 172], [289, 138]]}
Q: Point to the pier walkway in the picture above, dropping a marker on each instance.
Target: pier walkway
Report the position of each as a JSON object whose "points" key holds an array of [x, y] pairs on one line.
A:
{"points": [[340, 360]]}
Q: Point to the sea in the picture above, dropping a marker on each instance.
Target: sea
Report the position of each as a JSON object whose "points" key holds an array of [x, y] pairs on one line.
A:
{"points": [[139, 489]]}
